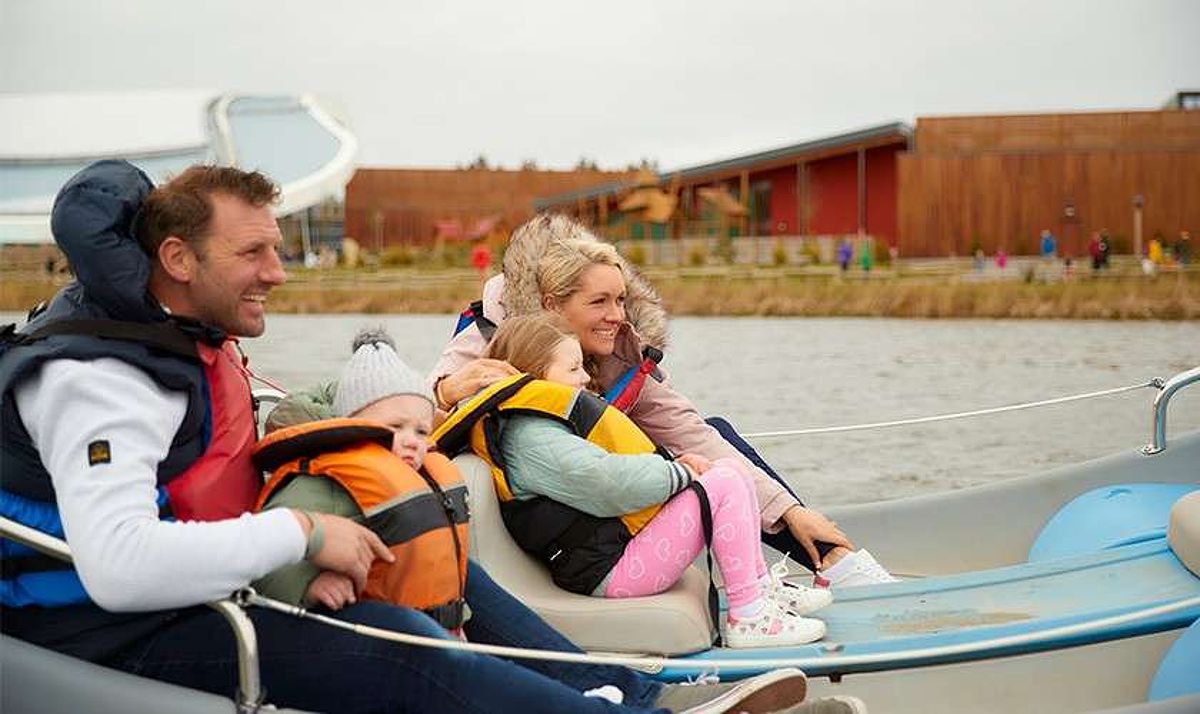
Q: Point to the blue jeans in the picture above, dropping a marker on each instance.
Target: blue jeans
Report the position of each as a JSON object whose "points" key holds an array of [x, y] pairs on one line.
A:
{"points": [[306, 665], [498, 618], [783, 541]]}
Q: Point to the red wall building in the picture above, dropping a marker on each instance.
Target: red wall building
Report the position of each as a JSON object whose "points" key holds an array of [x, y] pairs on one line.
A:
{"points": [[837, 185]]}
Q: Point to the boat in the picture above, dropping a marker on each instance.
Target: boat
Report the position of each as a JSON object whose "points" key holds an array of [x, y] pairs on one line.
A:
{"points": [[1077, 589]]}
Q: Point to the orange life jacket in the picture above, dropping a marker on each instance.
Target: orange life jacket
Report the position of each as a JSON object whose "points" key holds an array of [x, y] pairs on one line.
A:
{"points": [[422, 516]]}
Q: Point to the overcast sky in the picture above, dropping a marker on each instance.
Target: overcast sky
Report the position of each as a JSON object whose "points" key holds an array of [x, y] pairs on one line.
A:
{"points": [[436, 83]]}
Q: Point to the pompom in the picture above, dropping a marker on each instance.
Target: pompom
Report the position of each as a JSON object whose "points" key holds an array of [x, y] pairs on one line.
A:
{"points": [[372, 336]]}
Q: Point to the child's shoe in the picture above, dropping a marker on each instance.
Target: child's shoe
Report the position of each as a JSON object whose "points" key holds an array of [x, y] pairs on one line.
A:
{"points": [[792, 596], [773, 627], [857, 568]]}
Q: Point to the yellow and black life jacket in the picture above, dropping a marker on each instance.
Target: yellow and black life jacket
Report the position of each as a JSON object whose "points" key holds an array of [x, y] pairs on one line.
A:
{"points": [[579, 549], [422, 516]]}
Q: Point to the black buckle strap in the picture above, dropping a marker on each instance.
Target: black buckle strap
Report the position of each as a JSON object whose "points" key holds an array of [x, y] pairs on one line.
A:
{"points": [[166, 336], [449, 615], [706, 522]]}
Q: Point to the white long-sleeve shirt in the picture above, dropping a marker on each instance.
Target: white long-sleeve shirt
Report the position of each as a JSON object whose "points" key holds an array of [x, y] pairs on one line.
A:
{"points": [[127, 558]]}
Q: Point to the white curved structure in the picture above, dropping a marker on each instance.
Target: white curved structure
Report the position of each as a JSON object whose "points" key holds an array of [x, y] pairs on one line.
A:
{"points": [[46, 138]]}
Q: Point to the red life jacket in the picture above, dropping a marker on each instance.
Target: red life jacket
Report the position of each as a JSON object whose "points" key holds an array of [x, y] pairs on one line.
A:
{"points": [[223, 482]]}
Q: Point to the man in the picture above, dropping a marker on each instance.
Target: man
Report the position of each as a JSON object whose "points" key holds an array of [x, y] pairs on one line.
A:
{"points": [[127, 426]]}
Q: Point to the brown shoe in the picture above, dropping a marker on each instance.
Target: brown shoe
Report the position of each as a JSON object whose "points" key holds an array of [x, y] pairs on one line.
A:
{"points": [[773, 691]]}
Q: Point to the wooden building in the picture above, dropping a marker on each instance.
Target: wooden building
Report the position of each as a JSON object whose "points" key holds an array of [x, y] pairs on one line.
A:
{"points": [[838, 185], [995, 182], [389, 207]]}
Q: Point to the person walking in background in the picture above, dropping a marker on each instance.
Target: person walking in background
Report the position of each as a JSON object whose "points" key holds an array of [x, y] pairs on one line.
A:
{"points": [[866, 258], [1095, 251], [481, 260], [1154, 251], [1183, 248], [845, 251], [1105, 248], [1001, 259], [1049, 246]]}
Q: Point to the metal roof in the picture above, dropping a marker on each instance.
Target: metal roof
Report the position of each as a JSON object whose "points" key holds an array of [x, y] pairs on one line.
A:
{"points": [[900, 130], [291, 139]]}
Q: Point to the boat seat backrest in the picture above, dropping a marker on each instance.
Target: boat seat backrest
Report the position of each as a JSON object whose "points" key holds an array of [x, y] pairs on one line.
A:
{"points": [[674, 622], [1183, 531]]}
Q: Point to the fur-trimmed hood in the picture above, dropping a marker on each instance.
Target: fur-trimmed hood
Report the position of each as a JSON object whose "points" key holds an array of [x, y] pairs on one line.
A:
{"points": [[520, 294]]}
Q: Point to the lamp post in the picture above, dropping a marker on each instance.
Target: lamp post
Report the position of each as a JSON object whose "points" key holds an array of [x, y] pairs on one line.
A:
{"points": [[1138, 202]]}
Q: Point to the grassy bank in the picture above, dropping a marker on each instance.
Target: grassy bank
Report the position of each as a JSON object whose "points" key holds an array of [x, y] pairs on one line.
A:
{"points": [[747, 292]]}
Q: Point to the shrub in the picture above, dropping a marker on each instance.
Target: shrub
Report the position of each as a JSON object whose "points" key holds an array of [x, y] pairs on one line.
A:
{"points": [[779, 255], [636, 254], [697, 255], [397, 256]]}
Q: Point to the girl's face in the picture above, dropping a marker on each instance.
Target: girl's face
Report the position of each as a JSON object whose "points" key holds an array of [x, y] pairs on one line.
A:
{"points": [[566, 364], [597, 309], [411, 420]]}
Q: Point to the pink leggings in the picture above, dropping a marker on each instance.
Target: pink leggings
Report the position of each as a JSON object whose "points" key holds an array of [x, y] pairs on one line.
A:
{"points": [[660, 552]]}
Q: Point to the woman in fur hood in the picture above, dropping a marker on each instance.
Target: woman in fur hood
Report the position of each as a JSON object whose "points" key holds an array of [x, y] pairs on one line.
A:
{"points": [[554, 263]]}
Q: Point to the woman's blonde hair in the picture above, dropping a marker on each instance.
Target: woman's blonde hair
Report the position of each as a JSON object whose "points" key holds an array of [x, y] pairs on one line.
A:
{"points": [[527, 341], [565, 260]]}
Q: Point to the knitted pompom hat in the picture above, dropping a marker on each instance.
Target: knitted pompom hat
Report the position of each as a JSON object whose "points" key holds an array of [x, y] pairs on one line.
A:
{"points": [[375, 372]]}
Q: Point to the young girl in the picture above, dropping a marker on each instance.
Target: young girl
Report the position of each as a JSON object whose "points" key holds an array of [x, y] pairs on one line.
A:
{"points": [[544, 457]]}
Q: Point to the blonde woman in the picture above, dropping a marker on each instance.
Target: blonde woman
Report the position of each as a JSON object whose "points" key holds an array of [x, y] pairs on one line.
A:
{"points": [[554, 264]]}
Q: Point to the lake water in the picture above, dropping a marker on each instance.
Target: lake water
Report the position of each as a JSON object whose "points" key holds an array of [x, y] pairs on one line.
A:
{"points": [[768, 374]]}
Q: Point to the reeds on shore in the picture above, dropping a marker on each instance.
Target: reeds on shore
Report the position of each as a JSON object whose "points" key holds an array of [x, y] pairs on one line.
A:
{"points": [[1174, 296]]}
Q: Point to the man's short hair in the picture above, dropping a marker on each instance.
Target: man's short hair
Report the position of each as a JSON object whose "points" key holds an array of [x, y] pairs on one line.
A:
{"points": [[183, 207]]}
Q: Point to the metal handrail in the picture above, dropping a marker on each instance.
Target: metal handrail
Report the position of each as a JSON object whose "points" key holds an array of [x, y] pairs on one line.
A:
{"points": [[1158, 434], [250, 692]]}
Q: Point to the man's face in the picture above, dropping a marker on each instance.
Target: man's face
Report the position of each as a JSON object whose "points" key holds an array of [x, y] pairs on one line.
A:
{"points": [[237, 265]]}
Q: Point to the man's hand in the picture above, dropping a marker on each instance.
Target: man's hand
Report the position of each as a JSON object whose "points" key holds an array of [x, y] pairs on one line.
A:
{"points": [[333, 590], [474, 376], [809, 526], [348, 549], [697, 463]]}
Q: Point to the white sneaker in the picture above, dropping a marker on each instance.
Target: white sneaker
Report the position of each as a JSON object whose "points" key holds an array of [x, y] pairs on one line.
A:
{"points": [[775, 691], [607, 692], [773, 627], [857, 569], [793, 596]]}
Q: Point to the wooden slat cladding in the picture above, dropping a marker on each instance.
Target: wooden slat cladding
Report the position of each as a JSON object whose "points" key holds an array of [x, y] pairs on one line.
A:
{"points": [[399, 206], [1173, 129], [947, 203]]}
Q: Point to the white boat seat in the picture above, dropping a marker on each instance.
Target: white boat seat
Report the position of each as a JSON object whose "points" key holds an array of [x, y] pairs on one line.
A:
{"points": [[672, 623], [1183, 531]]}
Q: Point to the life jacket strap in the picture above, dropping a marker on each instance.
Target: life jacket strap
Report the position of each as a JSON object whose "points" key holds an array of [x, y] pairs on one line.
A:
{"points": [[625, 391], [473, 315], [168, 336], [706, 523], [450, 615]]}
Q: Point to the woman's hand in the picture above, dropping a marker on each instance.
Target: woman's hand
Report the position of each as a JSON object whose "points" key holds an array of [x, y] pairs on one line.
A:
{"points": [[333, 590], [809, 526], [474, 376], [697, 463]]}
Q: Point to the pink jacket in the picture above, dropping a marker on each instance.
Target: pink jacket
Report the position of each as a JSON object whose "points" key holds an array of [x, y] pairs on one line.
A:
{"points": [[666, 416]]}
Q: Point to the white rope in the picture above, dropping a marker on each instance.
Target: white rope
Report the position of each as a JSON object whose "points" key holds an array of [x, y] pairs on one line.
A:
{"points": [[842, 663], [957, 415]]}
